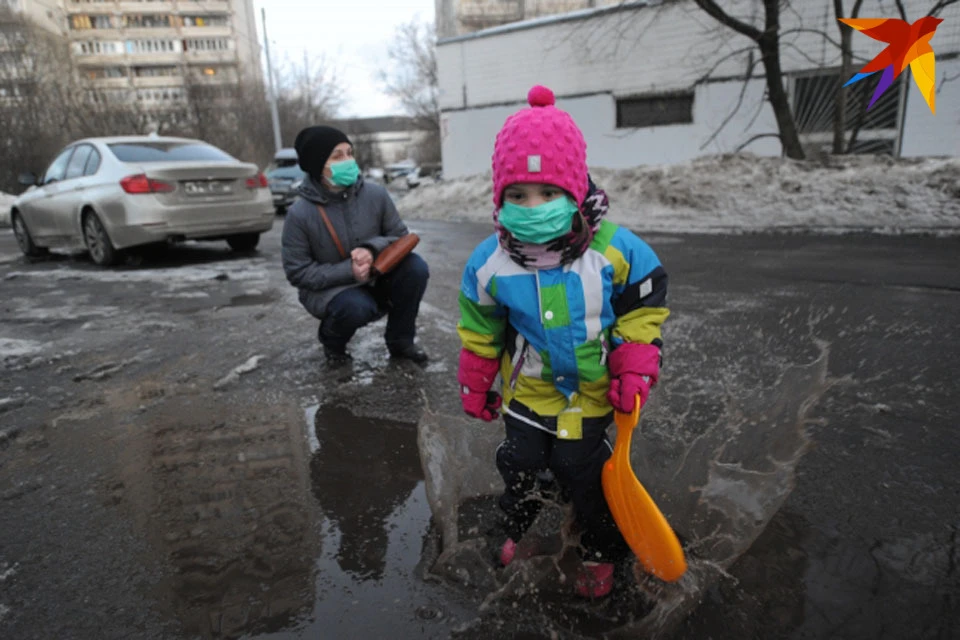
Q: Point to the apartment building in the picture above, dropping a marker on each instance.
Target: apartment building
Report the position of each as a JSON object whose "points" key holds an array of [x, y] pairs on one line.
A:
{"points": [[459, 17], [155, 51]]}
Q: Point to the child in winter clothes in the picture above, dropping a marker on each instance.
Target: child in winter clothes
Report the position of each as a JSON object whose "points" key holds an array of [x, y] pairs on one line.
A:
{"points": [[567, 308]]}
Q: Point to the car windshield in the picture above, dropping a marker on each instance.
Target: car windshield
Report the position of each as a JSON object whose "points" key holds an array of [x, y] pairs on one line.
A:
{"points": [[168, 152], [293, 172]]}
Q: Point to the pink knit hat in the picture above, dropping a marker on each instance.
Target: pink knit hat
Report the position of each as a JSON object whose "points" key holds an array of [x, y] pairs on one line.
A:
{"points": [[540, 144]]}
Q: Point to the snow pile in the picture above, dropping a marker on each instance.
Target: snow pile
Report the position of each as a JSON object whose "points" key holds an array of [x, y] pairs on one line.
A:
{"points": [[746, 193], [6, 201]]}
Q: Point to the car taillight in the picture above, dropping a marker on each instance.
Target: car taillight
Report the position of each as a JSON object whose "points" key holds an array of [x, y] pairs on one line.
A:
{"points": [[140, 183], [257, 182]]}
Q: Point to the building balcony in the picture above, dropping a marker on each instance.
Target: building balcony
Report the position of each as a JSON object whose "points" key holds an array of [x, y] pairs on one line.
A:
{"points": [[100, 59], [125, 33], [115, 7], [108, 83], [153, 58], [206, 32], [212, 57], [218, 80], [157, 81], [148, 33], [189, 7], [485, 12], [146, 7]]}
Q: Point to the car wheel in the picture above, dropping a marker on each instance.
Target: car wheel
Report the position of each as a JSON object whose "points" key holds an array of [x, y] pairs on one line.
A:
{"points": [[281, 211], [244, 242], [27, 246], [98, 242]]}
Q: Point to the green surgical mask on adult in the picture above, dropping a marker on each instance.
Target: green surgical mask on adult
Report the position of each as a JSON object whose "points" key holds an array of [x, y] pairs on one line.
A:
{"points": [[539, 224], [344, 173]]}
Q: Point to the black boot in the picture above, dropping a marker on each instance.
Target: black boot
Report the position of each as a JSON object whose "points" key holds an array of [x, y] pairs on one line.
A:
{"points": [[336, 358], [409, 352]]}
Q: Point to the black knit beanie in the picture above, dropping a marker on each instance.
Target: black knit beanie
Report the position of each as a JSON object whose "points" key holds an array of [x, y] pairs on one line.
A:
{"points": [[314, 146]]}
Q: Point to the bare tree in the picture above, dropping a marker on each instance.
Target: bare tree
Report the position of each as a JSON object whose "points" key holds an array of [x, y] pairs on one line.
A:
{"points": [[307, 94], [44, 104], [846, 66], [411, 78], [768, 41], [217, 112]]}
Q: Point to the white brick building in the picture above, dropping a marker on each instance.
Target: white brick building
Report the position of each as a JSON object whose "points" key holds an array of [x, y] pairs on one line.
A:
{"points": [[652, 82]]}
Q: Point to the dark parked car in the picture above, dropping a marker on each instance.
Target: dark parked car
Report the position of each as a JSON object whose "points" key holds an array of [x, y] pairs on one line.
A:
{"points": [[284, 176]]}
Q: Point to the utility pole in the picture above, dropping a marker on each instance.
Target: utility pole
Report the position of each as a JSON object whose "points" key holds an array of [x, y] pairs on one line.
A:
{"points": [[278, 142]]}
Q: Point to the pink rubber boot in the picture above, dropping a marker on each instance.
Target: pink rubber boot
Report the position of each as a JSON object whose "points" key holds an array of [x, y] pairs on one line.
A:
{"points": [[595, 579], [508, 551]]}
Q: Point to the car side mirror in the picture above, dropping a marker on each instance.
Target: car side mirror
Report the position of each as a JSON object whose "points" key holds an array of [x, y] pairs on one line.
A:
{"points": [[27, 179]]}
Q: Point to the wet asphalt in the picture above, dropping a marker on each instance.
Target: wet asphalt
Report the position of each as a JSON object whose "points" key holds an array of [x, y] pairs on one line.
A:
{"points": [[176, 460]]}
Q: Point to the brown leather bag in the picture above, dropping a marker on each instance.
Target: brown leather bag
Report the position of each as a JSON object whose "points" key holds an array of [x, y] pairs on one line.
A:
{"points": [[393, 254]]}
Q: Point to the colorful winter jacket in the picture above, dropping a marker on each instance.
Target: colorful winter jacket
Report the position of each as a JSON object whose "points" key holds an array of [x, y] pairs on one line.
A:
{"points": [[552, 329]]}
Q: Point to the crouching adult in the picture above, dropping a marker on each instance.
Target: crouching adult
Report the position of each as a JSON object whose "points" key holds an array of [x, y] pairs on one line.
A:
{"points": [[331, 237]]}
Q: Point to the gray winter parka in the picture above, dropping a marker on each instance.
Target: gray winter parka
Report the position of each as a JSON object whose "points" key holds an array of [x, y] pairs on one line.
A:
{"points": [[363, 215]]}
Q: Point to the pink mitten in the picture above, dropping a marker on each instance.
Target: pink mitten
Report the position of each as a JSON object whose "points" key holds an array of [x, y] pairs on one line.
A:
{"points": [[476, 375], [634, 368]]}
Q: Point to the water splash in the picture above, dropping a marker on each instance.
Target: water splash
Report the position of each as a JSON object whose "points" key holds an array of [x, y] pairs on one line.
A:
{"points": [[719, 458]]}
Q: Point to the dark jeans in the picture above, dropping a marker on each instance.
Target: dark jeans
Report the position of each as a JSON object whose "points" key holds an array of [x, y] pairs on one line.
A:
{"points": [[577, 465], [396, 295]]}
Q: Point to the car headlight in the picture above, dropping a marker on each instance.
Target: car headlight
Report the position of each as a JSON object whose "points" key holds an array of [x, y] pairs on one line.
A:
{"points": [[296, 184]]}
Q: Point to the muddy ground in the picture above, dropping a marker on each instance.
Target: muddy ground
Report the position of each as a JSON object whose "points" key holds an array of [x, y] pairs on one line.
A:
{"points": [[176, 460]]}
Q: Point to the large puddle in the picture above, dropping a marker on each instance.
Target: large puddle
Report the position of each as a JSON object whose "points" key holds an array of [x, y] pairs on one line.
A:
{"points": [[717, 449]]}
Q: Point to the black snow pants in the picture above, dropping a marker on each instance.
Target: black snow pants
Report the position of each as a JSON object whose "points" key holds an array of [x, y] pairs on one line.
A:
{"points": [[576, 465]]}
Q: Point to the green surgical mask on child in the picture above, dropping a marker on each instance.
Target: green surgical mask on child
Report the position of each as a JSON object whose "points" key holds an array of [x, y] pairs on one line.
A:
{"points": [[344, 173], [539, 224]]}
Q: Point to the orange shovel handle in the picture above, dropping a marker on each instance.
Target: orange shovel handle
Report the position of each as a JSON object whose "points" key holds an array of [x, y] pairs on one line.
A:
{"points": [[644, 528]]}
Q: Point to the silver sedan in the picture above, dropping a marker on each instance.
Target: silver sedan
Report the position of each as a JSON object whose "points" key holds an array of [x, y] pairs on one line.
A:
{"points": [[109, 194]]}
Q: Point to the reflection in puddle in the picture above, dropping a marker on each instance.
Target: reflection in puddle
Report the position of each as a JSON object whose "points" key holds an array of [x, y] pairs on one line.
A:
{"points": [[361, 474]]}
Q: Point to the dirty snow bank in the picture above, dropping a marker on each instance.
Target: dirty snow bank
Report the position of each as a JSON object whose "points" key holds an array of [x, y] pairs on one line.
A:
{"points": [[6, 201], [746, 193]]}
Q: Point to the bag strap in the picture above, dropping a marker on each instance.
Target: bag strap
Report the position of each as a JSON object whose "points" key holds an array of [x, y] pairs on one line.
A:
{"points": [[333, 233]]}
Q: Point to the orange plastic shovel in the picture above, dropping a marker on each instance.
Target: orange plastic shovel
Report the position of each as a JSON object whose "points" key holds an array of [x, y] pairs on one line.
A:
{"points": [[643, 526]]}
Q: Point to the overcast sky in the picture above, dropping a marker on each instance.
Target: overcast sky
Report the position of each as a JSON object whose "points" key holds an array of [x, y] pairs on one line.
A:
{"points": [[353, 36]]}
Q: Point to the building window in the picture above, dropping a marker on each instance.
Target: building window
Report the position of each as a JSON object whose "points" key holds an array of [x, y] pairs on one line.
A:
{"points": [[654, 110], [155, 72], [814, 98], [206, 44], [10, 90], [97, 47], [98, 73], [151, 46], [81, 22], [206, 21], [147, 21]]}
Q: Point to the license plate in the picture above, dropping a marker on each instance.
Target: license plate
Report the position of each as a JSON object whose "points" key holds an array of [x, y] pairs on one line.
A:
{"points": [[277, 197], [207, 188]]}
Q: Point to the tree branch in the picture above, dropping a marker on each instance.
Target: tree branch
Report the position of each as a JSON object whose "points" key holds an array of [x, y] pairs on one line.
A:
{"points": [[818, 32], [901, 10], [940, 6], [716, 65], [721, 16], [743, 92], [753, 139]]}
